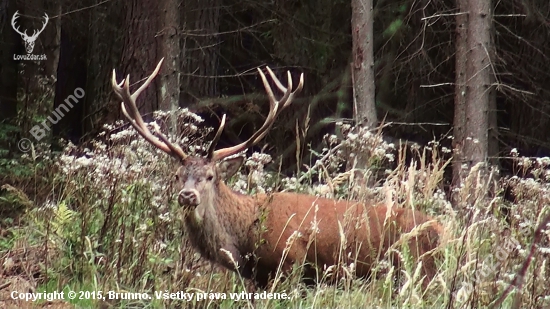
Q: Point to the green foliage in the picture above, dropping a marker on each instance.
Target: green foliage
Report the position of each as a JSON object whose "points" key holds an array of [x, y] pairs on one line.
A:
{"points": [[393, 28], [7, 133]]}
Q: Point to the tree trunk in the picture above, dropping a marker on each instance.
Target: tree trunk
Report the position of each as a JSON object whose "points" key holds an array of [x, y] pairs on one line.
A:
{"points": [[363, 63], [201, 45], [474, 87], [479, 85], [105, 40], [11, 44], [170, 75], [72, 74], [52, 38], [461, 58], [362, 75], [140, 51]]}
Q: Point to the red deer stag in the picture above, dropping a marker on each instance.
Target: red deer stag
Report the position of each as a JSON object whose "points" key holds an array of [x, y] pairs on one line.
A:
{"points": [[267, 232]]}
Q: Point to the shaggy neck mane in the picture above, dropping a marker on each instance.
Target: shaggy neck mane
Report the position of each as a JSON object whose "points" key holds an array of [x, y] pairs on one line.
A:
{"points": [[225, 218], [234, 210]]}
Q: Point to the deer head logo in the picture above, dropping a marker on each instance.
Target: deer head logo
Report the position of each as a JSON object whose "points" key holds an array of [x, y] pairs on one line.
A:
{"points": [[28, 40]]}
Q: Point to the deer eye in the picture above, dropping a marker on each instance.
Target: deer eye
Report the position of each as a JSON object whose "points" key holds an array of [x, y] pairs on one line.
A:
{"points": [[177, 177], [210, 177]]}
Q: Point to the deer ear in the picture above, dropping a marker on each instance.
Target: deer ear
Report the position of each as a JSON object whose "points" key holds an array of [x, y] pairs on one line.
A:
{"points": [[229, 167]]}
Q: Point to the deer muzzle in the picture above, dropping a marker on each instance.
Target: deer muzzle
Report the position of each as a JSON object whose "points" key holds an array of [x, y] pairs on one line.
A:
{"points": [[189, 197]]}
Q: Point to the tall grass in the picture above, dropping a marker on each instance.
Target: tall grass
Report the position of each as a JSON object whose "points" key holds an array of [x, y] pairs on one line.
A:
{"points": [[109, 221]]}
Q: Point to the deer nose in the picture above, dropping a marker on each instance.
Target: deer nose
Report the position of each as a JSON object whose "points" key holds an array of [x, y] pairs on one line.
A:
{"points": [[189, 197]]}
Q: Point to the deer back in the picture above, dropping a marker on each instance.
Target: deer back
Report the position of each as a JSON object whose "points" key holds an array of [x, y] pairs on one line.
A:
{"points": [[327, 232]]}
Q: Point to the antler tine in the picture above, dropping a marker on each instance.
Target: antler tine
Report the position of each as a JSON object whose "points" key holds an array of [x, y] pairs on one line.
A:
{"points": [[287, 98], [15, 27], [296, 91], [135, 115], [283, 88], [277, 81], [216, 138], [130, 111], [274, 111], [147, 82]]}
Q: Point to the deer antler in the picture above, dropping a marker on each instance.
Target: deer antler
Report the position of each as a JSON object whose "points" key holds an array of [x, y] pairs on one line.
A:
{"points": [[275, 107], [35, 33], [16, 28], [122, 90], [24, 34]]}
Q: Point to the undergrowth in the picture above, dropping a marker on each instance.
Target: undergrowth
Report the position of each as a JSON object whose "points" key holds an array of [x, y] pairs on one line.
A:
{"points": [[110, 222]]}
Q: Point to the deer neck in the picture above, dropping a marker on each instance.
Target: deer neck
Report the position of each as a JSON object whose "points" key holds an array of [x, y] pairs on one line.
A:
{"points": [[236, 211], [223, 219]]}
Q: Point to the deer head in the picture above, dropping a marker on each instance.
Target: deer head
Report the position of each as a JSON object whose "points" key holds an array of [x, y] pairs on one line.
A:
{"points": [[199, 178], [28, 40]]}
